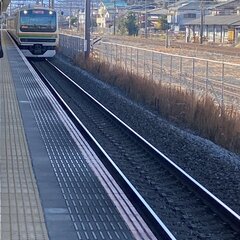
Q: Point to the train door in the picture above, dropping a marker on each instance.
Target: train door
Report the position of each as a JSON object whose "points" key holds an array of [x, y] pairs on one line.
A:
{"points": [[1, 50]]}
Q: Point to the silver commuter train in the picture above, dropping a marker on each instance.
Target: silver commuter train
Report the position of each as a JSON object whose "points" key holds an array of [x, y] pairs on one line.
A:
{"points": [[35, 30]]}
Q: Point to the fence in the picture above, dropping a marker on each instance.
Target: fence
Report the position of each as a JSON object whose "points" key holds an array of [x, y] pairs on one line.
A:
{"points": [[217, 78], [70, 45]]}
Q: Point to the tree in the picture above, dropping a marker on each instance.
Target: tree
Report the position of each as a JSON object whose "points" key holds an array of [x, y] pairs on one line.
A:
{"points": [[73, 21], [131, 24], [122, 26]]}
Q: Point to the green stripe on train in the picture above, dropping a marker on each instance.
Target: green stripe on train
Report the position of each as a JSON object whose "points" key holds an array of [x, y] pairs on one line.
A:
{"points": [[37, 36]]}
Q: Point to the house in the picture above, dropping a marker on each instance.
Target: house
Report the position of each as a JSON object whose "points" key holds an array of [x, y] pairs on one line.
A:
{"points": [[216, 29], [108, 11], [225, 8], [182, 11], [221, 25], [155, 14]]}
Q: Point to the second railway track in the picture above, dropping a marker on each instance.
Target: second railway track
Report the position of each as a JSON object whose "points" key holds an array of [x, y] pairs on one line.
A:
{"points": [[184, 206]]}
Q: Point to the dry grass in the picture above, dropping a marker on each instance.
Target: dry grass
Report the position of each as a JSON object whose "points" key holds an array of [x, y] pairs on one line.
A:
{"points": [[199, 113]]}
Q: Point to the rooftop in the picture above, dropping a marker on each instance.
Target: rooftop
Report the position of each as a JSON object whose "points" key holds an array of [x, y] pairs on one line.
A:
{"points": [[230, 20]]}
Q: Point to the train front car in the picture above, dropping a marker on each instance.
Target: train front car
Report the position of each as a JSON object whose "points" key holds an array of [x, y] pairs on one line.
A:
{"points": [[37, 32]]}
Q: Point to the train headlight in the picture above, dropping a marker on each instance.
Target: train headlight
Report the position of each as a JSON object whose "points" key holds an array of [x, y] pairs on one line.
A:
{"points": [[25, 11], [50, 12]]}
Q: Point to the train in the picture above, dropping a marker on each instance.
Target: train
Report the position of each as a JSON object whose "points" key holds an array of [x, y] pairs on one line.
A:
{"points": [[35, 31]]}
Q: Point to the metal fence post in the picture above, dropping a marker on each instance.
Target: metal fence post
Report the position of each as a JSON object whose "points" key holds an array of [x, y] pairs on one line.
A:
{"points": [[193, 73], [121, 64], [152, 64], [161, 75], [206, 79], [222, 93], [116, 56], [111, 52], [101, 55], [131, 60], [108, 57], [144, 61], [126, 56], [137, 62], [180, 71], [171, 65], [71, 46]]}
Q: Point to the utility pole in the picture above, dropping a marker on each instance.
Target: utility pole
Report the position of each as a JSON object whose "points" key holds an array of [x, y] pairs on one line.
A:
{"points": [[78, 19], [114, 18], [87, 30], [70, 16], [145, 31], [201, 22], [167, 38], [51, 4], [1, 19], [92, 17]]}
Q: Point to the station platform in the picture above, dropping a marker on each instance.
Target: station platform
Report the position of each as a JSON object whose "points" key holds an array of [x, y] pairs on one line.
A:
{"points": [[53, 186]]}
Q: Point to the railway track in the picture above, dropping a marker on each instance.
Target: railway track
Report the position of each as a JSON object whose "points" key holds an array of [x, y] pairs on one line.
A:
{"points": [[229, 91], [187, 208], [157, 44]]}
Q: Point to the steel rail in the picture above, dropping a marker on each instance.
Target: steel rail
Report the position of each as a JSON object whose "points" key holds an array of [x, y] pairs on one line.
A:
{"points": [[153, 221], [222, 209], [216, 203]]}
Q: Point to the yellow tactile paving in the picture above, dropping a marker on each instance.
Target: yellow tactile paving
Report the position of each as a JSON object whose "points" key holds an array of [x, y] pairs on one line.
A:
{"points": [[21, 215]]}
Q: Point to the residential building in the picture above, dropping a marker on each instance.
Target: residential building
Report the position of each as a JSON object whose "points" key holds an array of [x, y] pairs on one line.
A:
{"points": [[220, 25], [216, 29], [183, 11], [155, 14], [225, 8], [108, 11]]}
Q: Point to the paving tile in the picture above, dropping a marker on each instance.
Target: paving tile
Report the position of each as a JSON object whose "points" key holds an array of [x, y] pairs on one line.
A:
{"points": [[19, 195], [58, 189]]}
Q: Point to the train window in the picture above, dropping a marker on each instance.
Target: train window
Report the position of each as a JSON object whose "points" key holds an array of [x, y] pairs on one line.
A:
{"points": [[38, 11], [38, 21]]}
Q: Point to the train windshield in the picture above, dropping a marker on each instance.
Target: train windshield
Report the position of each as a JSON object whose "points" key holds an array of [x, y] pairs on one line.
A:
{"points": [[38, 20]]}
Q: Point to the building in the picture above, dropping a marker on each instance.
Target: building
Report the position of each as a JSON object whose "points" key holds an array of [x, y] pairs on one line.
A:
{"points": [[216, 29], [108, 11], [225, 8], [155, 14], [220, 25], [183, 11]]}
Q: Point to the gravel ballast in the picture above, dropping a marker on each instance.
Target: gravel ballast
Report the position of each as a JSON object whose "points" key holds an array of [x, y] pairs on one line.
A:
{"points": [[214, 167]]}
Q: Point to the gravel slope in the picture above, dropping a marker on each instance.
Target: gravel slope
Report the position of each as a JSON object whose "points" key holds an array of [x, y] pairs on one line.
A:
{"points": [[214, 167]]}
